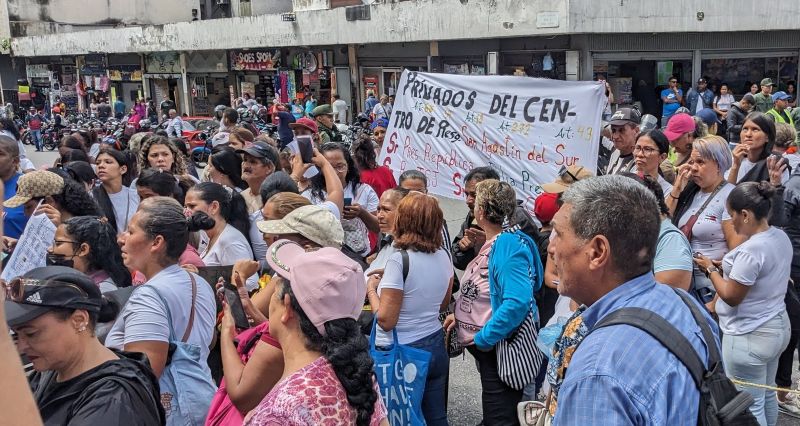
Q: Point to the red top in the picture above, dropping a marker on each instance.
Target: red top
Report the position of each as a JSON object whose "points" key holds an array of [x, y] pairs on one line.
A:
{"points": [[380, 179]]}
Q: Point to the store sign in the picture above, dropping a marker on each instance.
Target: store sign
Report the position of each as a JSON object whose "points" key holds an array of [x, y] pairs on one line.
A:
{"points": [[125, 73], [255, 60], [163, 63], [547, 20], [38, 71], [525, 128], [93, 65]]}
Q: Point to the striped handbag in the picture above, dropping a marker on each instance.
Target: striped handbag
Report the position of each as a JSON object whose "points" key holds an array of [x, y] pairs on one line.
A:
{"points": [[518, 357]]}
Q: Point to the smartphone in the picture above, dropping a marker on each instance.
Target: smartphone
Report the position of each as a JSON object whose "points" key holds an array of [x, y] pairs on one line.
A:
{"points": [[348, 202], [233, 300], [306, 147]]}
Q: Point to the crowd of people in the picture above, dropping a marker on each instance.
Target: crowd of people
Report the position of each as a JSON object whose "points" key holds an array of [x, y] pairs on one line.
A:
{"points": [[247, 293]]}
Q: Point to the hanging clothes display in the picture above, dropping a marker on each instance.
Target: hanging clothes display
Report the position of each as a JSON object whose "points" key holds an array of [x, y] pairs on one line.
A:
{"points": [[291, 87], [276, 86]]}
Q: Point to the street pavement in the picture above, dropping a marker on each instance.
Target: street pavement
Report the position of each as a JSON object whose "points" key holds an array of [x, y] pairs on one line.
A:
{"points": [[464, 401]]}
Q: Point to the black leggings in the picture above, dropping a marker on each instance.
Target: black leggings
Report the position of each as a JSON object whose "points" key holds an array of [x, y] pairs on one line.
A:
{"points": [[499, 401], [783, 377]]}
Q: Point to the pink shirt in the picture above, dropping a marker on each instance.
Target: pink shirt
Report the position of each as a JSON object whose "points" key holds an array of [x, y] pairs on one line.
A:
{"points": [[473, 305], [312, 395]]}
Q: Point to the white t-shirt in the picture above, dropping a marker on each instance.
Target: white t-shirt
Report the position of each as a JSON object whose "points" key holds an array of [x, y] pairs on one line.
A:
{"points": [[423, 293], [144, 317], [381, 259], [724, 102], [229, 247], [707, 236], [125, 203], [666, 187], [340, 110], [762, 263], [257, 242], [747, 165], [356, 235]]}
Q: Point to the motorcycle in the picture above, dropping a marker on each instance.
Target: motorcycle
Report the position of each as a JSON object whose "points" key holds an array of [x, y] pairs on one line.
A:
{"points": [[200, 154]]}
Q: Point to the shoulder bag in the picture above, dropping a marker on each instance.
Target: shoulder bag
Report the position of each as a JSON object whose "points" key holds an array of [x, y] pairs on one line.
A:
{"points": [[687, 227], [186, 386]]}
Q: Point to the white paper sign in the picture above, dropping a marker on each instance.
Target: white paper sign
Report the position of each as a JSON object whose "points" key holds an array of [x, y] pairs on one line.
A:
{"points": [[31, 249], [526, 128]]}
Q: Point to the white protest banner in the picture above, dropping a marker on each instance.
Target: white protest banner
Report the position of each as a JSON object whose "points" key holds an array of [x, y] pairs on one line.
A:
{"points": [[526, 128], [31, 249]]}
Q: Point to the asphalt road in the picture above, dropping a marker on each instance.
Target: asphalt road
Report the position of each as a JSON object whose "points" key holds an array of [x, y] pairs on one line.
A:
{"points": [[464, 402]]}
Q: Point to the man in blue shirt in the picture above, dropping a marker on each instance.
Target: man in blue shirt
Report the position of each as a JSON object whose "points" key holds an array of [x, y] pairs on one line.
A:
{"points": [[672, 98], [618, 375], [14, 220], [119, 108], [700, 97]]}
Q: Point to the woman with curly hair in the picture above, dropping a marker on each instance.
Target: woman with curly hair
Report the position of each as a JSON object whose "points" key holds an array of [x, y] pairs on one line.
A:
{"points": [[89, 244], [360, 200], [328, 371], [157, 152]]}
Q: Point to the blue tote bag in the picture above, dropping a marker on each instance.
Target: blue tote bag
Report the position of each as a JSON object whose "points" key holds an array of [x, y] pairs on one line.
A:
{"points": [[186, 384], [401, 372]]}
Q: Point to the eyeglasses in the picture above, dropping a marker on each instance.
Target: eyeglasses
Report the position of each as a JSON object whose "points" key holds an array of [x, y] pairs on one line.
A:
{"points": [[15, 289], [646, 150], [564, 171]]}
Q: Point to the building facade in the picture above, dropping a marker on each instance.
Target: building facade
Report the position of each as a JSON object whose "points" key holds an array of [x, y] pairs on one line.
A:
{"points": [[202, 53]]}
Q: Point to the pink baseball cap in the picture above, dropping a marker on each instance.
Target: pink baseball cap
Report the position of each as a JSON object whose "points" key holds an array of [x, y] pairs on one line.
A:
{"points": [[678, 125], [327, 284]]}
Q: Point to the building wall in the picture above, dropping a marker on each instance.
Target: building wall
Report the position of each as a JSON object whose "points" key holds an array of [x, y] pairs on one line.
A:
{"points": [[653, 16], [33, 17], [409, 21], [266, 7]]}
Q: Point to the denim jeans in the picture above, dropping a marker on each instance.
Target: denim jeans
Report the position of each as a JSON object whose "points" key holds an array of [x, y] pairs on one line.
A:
{"points": [[753, 357], [434, 402], [37, 139], [498, 400]]}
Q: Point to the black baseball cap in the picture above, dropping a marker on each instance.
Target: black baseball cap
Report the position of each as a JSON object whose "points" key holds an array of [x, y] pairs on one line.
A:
{"points": [[44, 289], [259, 149], [624, 116]]}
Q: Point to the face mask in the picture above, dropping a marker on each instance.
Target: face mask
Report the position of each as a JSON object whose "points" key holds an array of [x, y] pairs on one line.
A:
{"points": [[60, 260]]}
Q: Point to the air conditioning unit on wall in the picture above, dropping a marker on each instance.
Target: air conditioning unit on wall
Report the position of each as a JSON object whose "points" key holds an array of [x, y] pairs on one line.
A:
{"points": [[357, 13]]}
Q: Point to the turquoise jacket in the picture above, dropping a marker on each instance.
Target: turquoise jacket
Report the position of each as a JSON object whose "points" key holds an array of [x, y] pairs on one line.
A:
{"points": [[515, 273]]}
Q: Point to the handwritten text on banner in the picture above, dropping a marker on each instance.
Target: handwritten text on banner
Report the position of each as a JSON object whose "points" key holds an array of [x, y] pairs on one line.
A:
{"points": [[526, 128]]}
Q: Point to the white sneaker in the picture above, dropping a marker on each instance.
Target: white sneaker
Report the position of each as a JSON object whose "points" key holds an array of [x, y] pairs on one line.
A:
{"points": [[790, 407]]}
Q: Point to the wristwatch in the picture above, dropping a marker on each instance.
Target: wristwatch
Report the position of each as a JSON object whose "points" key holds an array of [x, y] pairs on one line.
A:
{"points": [[711, 269]]}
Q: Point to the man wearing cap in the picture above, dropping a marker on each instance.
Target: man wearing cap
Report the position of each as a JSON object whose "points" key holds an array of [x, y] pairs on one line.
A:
{"points": [[323, 115], [778, 112], [259, 160], [710, 118], [763, 99], [672, 98], [33, 187], [680, 132], [736, 115], [14, 219], [306, 127], [624, 129], [700, 97]]}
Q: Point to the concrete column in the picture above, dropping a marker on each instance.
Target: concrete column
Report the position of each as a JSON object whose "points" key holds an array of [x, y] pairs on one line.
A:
{"points": [[78, 62], [696, 64], [145, 85], [186, 97], [355, 76], [434, 48]]}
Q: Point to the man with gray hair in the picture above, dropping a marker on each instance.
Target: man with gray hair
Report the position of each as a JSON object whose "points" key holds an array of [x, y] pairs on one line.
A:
{"points": [[175, 126], [603, 243], [14, 220]]}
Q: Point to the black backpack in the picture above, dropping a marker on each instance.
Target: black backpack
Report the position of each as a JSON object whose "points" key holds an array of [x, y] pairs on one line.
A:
{"points": [[721, 404]]}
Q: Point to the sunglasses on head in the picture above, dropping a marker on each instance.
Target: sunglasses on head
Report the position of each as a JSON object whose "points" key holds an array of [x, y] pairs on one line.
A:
{"points": [[15, 289]]}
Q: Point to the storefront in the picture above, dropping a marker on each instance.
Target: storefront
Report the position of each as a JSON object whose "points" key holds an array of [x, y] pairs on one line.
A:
{"points": [[314, 73], [94, 83], [638, 66], [125, 75], [209, 82], [381, 65], [163, 78], [52, 78], [256, 72]]}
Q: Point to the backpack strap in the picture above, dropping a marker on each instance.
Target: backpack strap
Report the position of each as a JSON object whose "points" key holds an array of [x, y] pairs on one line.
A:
{"points": [[404, 255], [191, 313], [708, 335], [661, 330]]}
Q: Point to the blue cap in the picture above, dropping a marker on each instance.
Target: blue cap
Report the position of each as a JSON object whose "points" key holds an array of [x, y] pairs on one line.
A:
{"points": [[709, 116], [780, 96]]}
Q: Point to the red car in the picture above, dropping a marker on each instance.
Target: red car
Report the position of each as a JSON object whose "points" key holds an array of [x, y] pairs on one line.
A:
{"points": [[193, 127]]}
